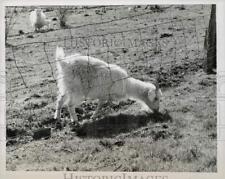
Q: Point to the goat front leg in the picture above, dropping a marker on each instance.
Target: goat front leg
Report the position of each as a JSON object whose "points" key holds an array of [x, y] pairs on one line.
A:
{"points": [[73, 115], [60, 101], [98, 109], [35, 29]]}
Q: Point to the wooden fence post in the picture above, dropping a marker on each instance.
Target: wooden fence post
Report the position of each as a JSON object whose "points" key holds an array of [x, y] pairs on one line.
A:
{"points": [[210, 43]]}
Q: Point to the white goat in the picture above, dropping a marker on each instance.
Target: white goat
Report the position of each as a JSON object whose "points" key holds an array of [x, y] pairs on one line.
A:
{"points": [[83, 77], [38, 19]]}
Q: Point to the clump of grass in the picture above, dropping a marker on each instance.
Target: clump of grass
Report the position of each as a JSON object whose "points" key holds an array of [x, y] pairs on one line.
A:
{"points": [[177, 134], [189, 155], [179, 123], [165, 156], [138, 164], [209, 124], [210, 163]]}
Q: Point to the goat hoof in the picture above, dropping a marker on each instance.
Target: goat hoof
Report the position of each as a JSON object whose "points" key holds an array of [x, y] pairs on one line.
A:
{"points": [[75, 123], [75, 127], [94, 118], [86, 121]]}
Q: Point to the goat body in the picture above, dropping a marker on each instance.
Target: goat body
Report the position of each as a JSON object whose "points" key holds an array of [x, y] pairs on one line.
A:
{"points": [[83, 77], [38, 19]]}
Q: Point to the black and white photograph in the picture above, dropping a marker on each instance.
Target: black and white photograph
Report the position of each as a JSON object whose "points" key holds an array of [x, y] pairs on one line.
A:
{"points": [[116, 88]]}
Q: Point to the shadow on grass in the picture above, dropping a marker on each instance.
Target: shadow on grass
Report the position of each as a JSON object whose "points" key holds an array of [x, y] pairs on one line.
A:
{"points": [[113, 125]]}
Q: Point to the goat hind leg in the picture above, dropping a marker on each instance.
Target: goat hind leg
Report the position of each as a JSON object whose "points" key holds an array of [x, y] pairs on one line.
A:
{"points": [[60, 101], [73, 115]]}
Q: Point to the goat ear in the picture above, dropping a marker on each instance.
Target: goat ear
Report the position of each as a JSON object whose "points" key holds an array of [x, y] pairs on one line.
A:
{"points": [[159, 93], [151, 95], [157, 85]]}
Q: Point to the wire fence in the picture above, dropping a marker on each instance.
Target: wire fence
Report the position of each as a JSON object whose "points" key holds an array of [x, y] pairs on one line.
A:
{"points": [[146, 50]]}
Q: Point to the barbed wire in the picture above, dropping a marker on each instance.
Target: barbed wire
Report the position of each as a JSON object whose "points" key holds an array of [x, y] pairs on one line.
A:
{"points": [[101, 23], [108, 33], [92, 54], [55, 79]]}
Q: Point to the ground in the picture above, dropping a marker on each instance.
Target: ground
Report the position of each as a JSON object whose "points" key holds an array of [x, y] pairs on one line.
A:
{"points": [[170, 40]]}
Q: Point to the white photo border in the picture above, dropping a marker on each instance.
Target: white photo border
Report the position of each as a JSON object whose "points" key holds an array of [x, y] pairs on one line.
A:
{"points": [[118, 175]]}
